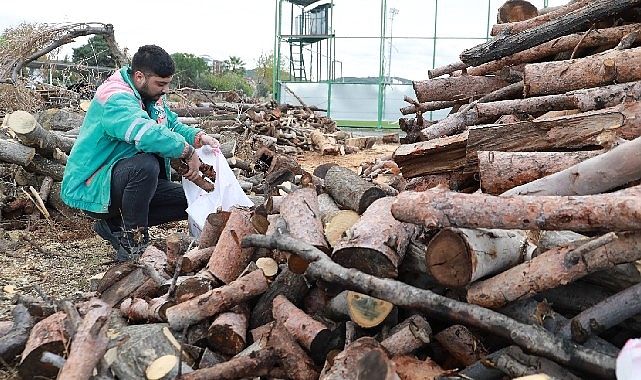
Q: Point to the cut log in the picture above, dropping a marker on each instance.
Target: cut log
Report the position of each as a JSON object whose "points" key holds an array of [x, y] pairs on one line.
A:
{"points": [[89, 343], [303, 217], [375, 244], [48, 335], [408, 336], [345, 363], [438, 208], [16, 153], [227, 333], [14, 340], [367, 311], [293, 358], [195, 259], [598, 318], [141, 346], [376, 364], [349, 190], [323, 144], [504, 45], [312, 335], [120, 281], [515, 11], [229, 260], [462, 344], [556, 77], [556, 267], [502, 171], [257, 364], [456, 257], [216, 300], [336, 223], [287, 283], [177, 244], [515, 363], [32, 134], [435, 156], [456, 88], [542, 314], [409, 367], [165, 368], [592, 176]]}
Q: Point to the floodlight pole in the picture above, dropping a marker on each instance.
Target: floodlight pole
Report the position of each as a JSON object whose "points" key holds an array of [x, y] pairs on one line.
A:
{"points": [[393, 12]]}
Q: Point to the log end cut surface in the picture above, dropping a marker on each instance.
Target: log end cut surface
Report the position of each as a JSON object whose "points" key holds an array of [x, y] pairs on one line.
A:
{"points": [[367, 260], [448, 260]]}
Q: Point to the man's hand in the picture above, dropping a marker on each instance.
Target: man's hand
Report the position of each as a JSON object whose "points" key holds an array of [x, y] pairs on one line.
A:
{"points": [[209, 140], [194, 167]]}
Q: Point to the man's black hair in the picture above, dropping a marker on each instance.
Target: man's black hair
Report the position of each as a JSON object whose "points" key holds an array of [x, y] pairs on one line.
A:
{"points": [[152, 59]]}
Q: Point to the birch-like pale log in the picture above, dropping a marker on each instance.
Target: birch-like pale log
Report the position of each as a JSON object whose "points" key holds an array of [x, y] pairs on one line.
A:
{"points": [[457, 256], [599, 174], [556, 267]]}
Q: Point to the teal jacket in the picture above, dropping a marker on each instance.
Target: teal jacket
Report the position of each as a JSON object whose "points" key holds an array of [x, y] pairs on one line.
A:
{"points": [[118, 124]]}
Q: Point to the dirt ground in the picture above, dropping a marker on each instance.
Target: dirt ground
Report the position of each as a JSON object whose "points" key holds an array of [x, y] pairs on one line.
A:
{"points": [[55, 258]]}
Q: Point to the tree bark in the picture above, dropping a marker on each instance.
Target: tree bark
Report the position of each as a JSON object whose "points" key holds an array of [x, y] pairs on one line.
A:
{"points": [[303, 217], [376, 243], [457, 256], [349, 190], [584, 100], [89, 343], [504, 45], [556, 77], [438, 208], [599, 174], [312, 335], [556, 267], [16, 153], [440, 155], [456, 88], [502, 171], [229, 260], [216, 300]]}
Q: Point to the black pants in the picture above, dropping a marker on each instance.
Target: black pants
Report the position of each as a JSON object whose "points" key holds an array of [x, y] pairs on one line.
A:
{"points": [[141, 196]]}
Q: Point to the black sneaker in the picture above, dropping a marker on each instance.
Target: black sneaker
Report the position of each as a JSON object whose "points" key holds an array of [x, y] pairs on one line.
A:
{"points": [[101, 227]]}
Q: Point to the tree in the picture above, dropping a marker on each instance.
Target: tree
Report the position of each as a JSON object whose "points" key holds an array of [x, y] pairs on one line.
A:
{"points": [[191, 71], [265, 74], [94, 53], [235, 65], [230, 81]]}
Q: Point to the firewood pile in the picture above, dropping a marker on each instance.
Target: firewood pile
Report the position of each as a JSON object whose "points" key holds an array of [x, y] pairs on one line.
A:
{"points": [[505, 244]]}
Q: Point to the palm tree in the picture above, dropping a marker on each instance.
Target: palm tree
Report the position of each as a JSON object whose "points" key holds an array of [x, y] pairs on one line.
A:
{"points": [[235, 64]]}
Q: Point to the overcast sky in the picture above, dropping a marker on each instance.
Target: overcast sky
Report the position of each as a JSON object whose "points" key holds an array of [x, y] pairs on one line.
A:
{"points": [[246, 28]]}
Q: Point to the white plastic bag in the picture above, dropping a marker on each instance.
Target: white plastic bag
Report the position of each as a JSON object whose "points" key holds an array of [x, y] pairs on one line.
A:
{"points": [[227, 191]]}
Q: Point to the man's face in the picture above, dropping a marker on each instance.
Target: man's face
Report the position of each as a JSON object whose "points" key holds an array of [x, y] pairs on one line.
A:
{"points": [[151, 87]]}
